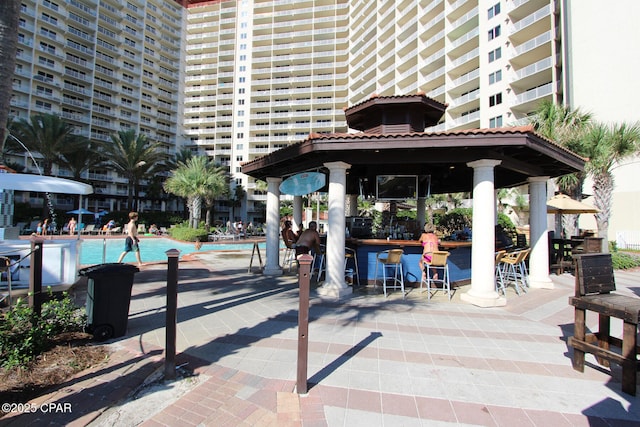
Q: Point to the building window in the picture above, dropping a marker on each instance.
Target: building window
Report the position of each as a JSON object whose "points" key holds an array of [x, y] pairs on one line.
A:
{"points": [[493, 11], [241, 90], [495, 99], [239, 158], [243, 46], [243, 68], [242, 79], [494, 32], [240, 124], [240, 146], [240, 113], [495, 122], [495, 54], [243, 57], [495, 77]]}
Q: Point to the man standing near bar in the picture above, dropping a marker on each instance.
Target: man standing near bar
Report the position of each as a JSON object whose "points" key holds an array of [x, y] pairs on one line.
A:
{"points": [[309, 239]]}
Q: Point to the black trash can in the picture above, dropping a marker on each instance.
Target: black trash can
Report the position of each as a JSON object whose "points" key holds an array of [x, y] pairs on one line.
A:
{"points": [[108, 297]]}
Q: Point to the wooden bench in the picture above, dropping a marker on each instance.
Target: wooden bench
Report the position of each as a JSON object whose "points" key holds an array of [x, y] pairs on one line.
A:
{"points": [[594, 284]]}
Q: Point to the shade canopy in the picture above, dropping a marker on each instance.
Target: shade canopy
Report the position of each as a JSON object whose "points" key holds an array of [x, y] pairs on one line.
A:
{"points": [[563, 204], [82, 211], [43, 184]]}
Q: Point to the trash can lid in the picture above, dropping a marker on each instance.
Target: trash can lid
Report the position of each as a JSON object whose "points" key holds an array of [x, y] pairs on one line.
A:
{"points": [[110, 269]]}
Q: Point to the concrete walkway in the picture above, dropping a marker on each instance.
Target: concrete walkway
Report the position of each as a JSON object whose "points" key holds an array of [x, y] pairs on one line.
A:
{"points": [[372, 361]]}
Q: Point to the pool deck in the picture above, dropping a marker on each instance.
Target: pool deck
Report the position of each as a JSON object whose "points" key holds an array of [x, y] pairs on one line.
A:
{"points": [[373, 361]]}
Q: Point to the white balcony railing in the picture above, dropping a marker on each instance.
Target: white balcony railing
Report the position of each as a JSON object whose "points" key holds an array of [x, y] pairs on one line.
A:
{"points": [[535, 93], [528, 20]]}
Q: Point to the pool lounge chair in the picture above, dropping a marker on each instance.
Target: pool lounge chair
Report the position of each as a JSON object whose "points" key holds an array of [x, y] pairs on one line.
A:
{"points": [[218, 234], [89, 229]]}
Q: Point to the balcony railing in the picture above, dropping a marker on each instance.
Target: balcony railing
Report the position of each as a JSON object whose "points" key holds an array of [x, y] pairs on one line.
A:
{"points": [[535, 93], [528, 20], [533, 68], [532, 44]]}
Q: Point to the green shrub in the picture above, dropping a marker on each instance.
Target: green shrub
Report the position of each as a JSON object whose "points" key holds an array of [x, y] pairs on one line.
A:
{"points": [[624, 261], [188, 234], [454, 220], [25, 334]]}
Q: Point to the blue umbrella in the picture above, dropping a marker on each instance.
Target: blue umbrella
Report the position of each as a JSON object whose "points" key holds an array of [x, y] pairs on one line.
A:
{"points": [[80, 212]]}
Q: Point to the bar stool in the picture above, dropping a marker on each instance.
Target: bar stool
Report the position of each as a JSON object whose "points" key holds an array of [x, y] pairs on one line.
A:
{"points": [[438, 263], [391, 258], [350, 254], [499, 276], [514, 269], [289, 256], [318, 257]]}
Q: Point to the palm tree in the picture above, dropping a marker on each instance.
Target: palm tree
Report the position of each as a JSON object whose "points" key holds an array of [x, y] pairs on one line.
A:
{"points": [[133, 156], [605, 146], [84, 155], [46, 134], [196, 180], [216, 192], [564, 126], [9, 22], [237, 197]]}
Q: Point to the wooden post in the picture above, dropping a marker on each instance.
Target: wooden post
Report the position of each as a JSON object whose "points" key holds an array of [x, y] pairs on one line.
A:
{"points": [[35, 276], [171, 314], [304, 280], [256, 248]]}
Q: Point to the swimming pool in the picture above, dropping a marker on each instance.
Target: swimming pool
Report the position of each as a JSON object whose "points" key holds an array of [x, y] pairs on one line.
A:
{"points": [[151, 250]]}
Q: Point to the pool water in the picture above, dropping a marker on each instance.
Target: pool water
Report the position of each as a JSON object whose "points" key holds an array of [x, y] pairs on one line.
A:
{"points": [[98, 251]]}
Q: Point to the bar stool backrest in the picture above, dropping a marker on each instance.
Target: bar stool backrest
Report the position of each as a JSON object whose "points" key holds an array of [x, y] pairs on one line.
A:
{"points": [[394, 257], [439, 258]]}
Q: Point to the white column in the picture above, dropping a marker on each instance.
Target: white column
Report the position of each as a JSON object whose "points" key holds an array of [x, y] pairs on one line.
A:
{"points": [[272, 267], [539, 237], [335, 285], [483, 287], [297, 212], [421, 212]]}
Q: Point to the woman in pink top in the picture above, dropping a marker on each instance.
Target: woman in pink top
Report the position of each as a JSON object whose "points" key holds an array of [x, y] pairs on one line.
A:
{"points": [[430, 242]]}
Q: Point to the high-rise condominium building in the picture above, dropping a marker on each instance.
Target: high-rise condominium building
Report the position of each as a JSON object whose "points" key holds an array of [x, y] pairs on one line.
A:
{"points": [[103, 66], [239, 79]]}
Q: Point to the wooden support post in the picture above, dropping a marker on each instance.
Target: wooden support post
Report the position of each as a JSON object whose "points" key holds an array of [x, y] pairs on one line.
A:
{"points": [[256, 249], [629, 342], [35, 276], [171, 314], [304, 279]]}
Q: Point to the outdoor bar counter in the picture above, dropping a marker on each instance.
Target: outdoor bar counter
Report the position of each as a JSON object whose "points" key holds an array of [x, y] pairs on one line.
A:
{"points": [[366, 249]]}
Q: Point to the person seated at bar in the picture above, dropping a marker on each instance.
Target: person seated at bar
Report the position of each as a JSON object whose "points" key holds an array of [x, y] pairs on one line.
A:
{"points": [[289, 237], [309, 239], [430, 242]]}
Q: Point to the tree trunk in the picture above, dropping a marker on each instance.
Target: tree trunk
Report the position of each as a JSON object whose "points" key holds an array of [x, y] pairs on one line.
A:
{"points": [[603, 192], [9, 19], [130, 195], [197, 211]]}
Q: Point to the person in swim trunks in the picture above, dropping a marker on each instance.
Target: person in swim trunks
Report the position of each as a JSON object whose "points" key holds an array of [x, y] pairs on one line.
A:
{"points": [[309, 239], [131, 242]]}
